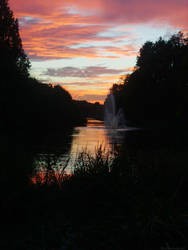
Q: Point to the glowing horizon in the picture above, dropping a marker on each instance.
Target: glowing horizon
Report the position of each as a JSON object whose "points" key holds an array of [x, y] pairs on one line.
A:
{"points": [[86, 46]]}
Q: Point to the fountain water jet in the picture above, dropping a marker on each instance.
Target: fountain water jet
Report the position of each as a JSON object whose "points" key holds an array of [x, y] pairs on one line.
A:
{"points": [[113, 119]]}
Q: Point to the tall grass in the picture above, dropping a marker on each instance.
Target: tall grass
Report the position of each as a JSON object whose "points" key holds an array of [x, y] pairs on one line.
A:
{"points": [[54, 169], [137, 197], [92, 165], [50, 169]]}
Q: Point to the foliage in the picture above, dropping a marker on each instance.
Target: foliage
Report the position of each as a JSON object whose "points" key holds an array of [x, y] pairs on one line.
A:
{"points": [[92, 110], [13, 60], [155, 94], [140, 202], [99, 164], [27, 106], [50, 169]]}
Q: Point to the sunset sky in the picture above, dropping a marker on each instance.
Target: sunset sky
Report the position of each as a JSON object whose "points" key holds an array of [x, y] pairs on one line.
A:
{"points": [[86, 46]]}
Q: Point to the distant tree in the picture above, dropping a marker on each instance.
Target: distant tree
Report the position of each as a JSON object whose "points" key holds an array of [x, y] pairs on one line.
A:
{"points": [[13, 59]]}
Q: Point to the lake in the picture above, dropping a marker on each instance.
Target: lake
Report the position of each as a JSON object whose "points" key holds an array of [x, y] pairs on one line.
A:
{"points": [[93, 135], [145, 146], [85, 138]]}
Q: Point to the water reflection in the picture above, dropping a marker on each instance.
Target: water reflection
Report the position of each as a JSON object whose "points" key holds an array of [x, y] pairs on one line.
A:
{"points": [[87, 138], [94, 135], [142, 147]]}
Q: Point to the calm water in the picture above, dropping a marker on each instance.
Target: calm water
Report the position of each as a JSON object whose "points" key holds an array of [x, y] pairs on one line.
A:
{"points": [[87, 138], [91, 136], [147, 147]]}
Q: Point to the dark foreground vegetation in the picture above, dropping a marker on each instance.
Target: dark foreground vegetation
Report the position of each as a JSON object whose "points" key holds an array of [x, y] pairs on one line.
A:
{"points": [[138, 200]]}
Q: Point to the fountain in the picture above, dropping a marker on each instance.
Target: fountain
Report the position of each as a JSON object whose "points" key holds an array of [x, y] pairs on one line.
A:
{"points": [[113, 119]]}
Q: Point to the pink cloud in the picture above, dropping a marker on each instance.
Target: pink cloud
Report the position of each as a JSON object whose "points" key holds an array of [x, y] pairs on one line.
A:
{"points": [[125, 50], [174, 12], [52, 31]]}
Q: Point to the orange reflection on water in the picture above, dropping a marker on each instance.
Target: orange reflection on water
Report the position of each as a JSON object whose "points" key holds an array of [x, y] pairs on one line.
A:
{"points": [[89, 138], [47, 178]]}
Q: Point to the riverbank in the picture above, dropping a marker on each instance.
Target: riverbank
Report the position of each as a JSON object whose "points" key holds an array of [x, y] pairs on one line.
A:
{"points": [[141, 203]]}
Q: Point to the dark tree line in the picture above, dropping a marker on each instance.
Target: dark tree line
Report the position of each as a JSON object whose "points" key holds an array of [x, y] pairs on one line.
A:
{"points": [[28, 106], [91, 110], [156, 93]]}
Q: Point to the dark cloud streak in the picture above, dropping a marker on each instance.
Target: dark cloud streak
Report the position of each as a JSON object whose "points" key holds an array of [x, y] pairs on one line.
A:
{"points": [[92, 71]]}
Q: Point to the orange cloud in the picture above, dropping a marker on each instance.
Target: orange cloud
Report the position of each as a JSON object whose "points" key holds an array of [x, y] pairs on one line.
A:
{"points": [[89, 95], [109, 11], [185, 33], [95, 83], [58, 41], [80, 28], [61, 29], [126, 50], [93, 90]]}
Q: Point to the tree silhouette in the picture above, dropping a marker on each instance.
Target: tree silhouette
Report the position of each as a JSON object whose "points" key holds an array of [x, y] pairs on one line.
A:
{"points": [[26, 104], [155, 94], [13, 59]]}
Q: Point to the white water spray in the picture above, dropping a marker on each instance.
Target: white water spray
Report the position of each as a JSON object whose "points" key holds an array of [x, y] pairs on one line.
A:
{"points": [[112, 118]]}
